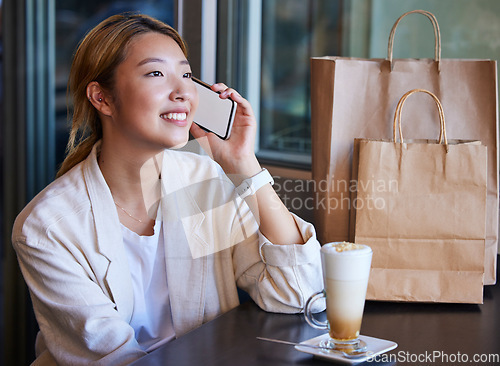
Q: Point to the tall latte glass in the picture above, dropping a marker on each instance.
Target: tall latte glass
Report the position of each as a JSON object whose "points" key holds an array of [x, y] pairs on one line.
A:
{"points": [[346, 268]]}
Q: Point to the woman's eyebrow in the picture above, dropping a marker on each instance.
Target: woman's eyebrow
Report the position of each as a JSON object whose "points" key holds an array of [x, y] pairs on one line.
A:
{"points": [[151, 60], [156, 59]]}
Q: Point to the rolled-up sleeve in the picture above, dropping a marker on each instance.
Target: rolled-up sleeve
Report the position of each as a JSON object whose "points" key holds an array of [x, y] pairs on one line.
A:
{"points": [[280, 278]]}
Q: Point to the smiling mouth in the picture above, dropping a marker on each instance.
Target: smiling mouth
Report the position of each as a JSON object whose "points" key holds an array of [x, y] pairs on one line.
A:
{"points": [[174, 116]]}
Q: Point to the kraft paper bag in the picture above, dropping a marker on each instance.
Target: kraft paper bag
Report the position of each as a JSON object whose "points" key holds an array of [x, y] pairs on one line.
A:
{"points": [[354, 98], [421, 207]]}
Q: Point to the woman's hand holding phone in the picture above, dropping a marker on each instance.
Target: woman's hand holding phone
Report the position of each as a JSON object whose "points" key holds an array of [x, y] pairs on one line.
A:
{"points": [[236, 155]]}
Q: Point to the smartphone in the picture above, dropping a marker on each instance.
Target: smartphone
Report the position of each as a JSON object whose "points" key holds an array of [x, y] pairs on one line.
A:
{"points": [[214, 114]]}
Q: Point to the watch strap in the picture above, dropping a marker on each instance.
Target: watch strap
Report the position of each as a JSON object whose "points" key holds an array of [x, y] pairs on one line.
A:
{"points": [[251, 185]]}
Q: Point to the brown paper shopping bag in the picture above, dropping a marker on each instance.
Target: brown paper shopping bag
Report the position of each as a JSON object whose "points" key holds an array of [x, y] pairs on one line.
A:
{"points": [[466, 88], [421, 206]]}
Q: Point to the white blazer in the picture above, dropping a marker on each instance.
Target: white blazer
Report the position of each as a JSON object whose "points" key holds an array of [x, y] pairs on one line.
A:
{"points": [[70, 249]]}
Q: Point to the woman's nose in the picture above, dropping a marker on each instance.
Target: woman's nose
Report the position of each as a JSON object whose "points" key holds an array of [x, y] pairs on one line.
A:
{"points": [[183, 90]]}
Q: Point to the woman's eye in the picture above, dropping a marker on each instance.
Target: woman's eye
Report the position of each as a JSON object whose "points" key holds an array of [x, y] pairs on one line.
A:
{"points": [[188, 75], [156, 73]]}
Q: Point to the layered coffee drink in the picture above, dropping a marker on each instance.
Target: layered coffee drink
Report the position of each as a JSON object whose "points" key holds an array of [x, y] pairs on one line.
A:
{"points": [[346, 269]]}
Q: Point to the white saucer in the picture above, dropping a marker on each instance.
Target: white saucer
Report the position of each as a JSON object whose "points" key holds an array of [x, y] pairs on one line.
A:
{"points": [[374, 345]]}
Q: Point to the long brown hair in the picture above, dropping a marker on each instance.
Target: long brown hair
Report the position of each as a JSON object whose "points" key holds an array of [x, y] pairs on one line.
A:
{"points": [[96, 59]]}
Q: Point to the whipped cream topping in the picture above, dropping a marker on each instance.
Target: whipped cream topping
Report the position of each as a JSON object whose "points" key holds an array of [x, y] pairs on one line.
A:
{"points": [[346, 261], [346, 248]]}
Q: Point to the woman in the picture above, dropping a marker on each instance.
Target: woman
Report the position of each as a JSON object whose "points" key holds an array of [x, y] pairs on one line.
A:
{"points": [[136, 243]]}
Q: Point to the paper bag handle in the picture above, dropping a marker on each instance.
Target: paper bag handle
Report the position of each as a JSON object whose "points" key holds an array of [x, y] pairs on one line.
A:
{"points": [[437, 36], [399, 109]]}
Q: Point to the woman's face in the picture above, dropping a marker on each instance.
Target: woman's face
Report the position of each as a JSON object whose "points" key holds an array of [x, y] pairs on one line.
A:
{"points": [[155, 97]]}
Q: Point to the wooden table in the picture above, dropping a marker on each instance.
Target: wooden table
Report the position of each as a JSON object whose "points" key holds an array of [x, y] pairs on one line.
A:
{"points": [[427, 334]]}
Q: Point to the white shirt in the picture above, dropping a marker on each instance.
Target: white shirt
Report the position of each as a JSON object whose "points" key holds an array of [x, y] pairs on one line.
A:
{"points": [[151, 316]]}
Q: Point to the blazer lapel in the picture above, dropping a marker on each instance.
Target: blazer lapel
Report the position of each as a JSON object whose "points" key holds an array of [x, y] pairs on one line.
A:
{"points": [[116, 278], [185, 249]]}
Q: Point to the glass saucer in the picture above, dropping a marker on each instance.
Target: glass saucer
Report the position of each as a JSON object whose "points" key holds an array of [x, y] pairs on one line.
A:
{"points": [[375, 347]]}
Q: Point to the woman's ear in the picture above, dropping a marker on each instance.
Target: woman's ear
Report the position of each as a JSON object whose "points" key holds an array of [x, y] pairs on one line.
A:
{"points": [[96, 96]]}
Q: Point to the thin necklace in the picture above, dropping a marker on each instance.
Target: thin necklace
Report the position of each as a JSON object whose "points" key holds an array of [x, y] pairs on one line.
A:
{"points": [[129, 215]]}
